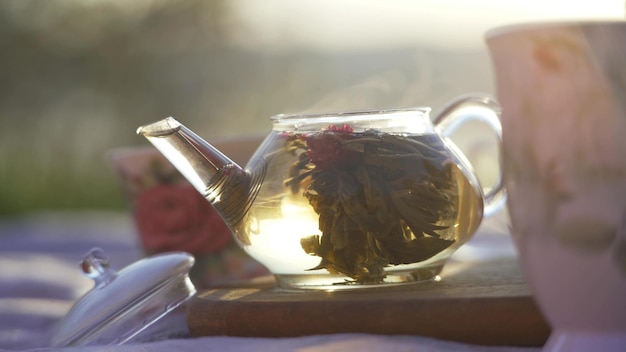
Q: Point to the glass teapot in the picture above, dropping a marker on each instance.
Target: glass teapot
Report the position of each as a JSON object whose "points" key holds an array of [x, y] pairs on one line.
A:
{"points": [[345, 200]]}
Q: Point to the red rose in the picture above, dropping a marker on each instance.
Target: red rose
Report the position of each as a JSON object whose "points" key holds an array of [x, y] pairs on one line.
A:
{"points": [[177, 218]]}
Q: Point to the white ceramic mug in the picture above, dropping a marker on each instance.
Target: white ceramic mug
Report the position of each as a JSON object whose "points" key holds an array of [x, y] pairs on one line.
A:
{"points": [[562, 87]]}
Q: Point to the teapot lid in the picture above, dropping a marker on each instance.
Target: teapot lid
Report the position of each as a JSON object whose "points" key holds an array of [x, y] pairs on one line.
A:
{"points": [[123, 304]]}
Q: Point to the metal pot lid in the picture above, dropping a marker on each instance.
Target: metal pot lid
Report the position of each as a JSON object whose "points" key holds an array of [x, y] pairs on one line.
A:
{"points": [[123, 304]]}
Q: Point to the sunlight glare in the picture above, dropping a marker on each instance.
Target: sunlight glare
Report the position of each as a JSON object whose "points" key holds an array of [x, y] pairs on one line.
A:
{"points": [[344, 25]]}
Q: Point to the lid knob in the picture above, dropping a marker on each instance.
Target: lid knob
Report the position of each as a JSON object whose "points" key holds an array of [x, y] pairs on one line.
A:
{"points": [[95, 265]]}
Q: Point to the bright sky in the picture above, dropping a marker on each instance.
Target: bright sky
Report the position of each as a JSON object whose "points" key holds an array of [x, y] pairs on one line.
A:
{"points": [[362, 24]]}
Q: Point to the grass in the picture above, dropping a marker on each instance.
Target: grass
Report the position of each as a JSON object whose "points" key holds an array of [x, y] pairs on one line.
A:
{"points": [[26, 189]]}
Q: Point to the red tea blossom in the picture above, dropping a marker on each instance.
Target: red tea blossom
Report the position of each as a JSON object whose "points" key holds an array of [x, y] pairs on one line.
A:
{"points": [[325, 149]]}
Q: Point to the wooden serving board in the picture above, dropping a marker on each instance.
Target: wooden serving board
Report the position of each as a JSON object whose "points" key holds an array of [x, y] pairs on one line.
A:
{"points": [[485, 303]]}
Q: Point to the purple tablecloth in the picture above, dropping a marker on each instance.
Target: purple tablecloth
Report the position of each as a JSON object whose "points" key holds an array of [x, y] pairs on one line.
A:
{"points": [[40, 280]]}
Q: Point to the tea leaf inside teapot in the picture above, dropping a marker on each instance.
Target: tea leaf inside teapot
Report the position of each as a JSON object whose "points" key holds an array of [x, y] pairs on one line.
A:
{"points": [[380, 198]]}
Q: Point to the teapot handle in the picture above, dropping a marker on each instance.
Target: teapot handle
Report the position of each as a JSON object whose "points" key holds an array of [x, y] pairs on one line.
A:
{"points": [[484, 109]]}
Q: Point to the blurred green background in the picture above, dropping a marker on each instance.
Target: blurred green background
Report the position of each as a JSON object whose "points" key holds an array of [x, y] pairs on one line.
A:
{"points": [[78, 76]]}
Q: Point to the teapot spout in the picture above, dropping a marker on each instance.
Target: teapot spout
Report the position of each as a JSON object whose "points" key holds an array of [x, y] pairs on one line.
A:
{"points": [[227, 186]]}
